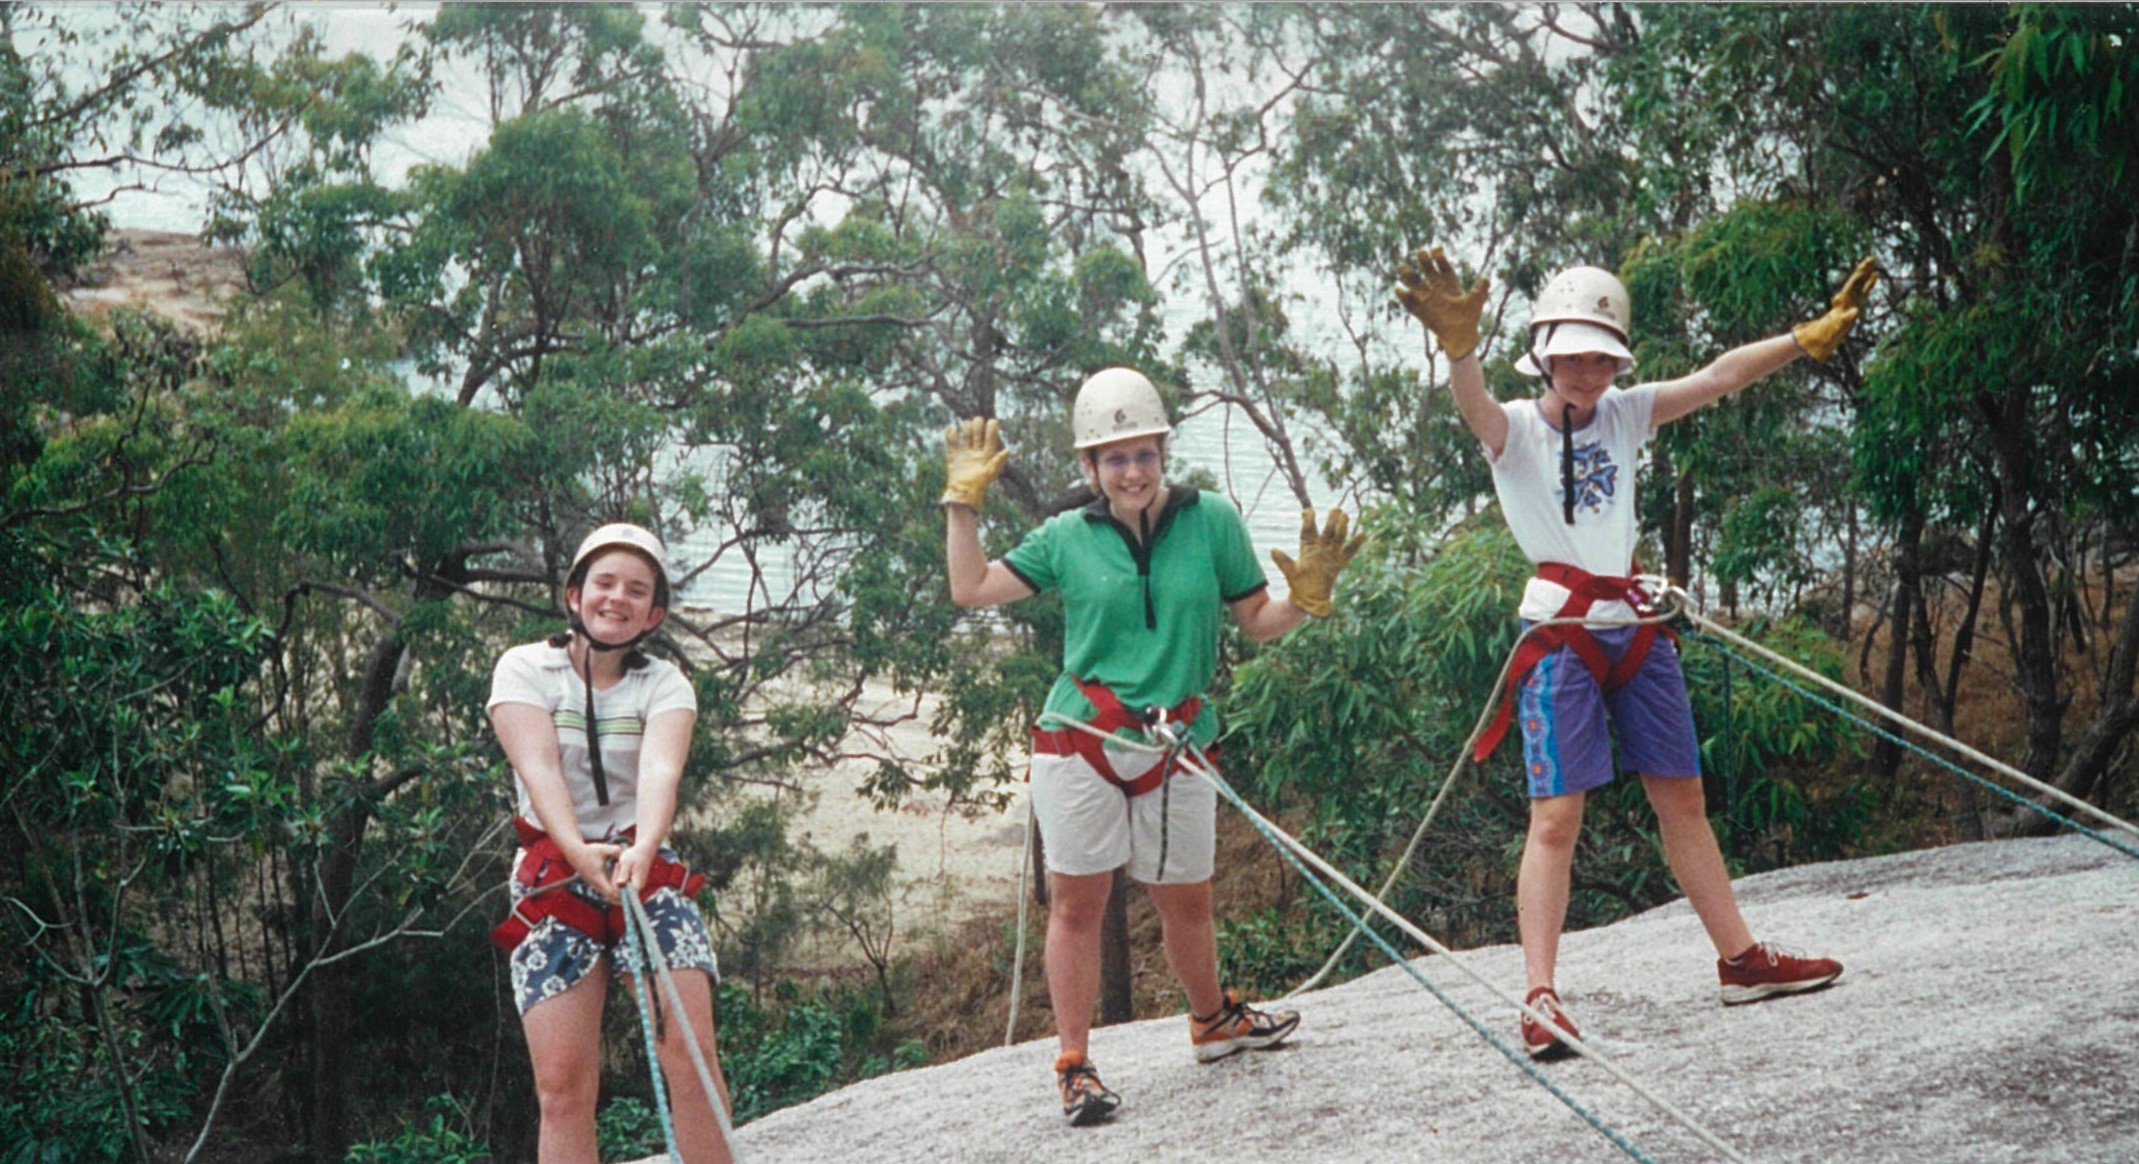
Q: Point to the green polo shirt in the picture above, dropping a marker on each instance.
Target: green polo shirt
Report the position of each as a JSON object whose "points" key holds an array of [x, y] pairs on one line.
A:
{"points": [[1143, 619]]}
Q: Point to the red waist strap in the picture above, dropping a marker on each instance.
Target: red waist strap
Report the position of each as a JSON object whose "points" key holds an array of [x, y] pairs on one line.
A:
{"points": [[1584, 590], [1109, 715], [544, 871]]}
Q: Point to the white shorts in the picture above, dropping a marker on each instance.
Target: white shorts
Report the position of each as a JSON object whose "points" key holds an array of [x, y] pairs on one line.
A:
{"points": [[1167, 836]]}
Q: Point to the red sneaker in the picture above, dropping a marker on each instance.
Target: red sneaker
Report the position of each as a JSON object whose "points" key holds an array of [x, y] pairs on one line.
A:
{"points": [[1543, 1042], [1765, 970]]}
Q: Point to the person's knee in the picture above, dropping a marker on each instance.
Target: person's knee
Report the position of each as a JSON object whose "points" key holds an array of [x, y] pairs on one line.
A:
{"points": [[567, 1091], [1676, 798], [1183, 903], [1077, 916], [1078, 903], [675, 1054], [1554, 825]]}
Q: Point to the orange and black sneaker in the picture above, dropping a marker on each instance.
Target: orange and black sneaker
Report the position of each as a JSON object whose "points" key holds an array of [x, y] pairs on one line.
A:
{"points": [[1542, 1042], [1085, 1100], [1238, 1027], [1764, 970]]}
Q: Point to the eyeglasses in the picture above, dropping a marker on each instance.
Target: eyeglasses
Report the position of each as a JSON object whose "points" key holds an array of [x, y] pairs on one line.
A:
{"points": [[1118, 463]]}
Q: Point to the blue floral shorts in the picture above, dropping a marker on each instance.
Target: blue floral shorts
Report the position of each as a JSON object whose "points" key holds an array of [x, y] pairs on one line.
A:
{"points": [[554, 956]]}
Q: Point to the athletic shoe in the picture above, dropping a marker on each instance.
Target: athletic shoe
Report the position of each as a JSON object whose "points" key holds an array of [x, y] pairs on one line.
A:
{"points": [[1238, 1027], [1765, 970], [1543, 1042], [1085, 1100]]}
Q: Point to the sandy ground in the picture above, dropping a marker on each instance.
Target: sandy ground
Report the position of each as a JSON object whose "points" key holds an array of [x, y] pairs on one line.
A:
{"points": [[1989, 1012], [955, 861]]}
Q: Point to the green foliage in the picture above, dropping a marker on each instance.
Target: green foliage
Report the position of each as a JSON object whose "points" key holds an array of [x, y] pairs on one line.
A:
{"points": [[1352, 723], [2063, 88], [1266, 955], [130, 745], [628, 1127], [64, 1102], [448, 1138], [368, 475], [778, 1060], [1767, 750]]}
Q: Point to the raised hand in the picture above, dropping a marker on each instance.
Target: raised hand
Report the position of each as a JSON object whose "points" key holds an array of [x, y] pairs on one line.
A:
{"points": [[1323, 556], [1820, 337], [973, 455], [1431, 292]]}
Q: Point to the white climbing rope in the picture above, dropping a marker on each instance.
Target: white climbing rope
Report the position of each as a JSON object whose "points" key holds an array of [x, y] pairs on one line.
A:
{"points": [[1017, 961]]}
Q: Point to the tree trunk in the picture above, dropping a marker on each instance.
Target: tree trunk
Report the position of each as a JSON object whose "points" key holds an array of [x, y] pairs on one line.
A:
{"points": [[1845, 619], [1679, 554], [1116, 1001], [1886, 757], [329, 1021], [1039, 863], [1964, 636], [2036, 667], [2097, 747]]}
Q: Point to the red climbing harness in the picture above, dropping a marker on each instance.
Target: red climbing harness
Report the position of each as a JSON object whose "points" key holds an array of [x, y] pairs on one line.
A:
{"points": [[545, 873], [1110, 715], [1584, 590]]}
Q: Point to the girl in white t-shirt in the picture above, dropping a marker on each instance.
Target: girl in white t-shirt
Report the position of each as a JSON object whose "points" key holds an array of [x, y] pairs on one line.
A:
{"points": [[1564, 467], [597, 733]]}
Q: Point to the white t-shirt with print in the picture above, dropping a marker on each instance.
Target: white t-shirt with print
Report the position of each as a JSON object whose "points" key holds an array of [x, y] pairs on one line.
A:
{"points": [[1526, 476], [542, 675]]}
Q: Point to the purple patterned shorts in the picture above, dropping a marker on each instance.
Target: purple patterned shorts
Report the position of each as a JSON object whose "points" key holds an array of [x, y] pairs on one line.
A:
{"points": [[1569, 725]]}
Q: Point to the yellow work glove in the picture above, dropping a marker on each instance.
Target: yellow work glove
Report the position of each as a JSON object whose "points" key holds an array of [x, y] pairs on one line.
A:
{"points": [[1431, 293], [1322, 557], [1822, 336], [973, 455]]}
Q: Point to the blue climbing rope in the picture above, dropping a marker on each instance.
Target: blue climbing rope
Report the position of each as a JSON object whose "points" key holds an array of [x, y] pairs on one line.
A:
{"points": [[641, 968]]}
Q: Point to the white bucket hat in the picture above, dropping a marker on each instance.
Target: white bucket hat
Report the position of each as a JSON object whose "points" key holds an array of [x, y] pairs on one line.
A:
{"points": [[1572, 339]]}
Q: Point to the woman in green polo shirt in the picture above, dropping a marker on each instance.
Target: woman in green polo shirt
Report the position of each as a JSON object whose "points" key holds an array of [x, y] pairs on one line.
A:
{"points": [[1147, 572]]}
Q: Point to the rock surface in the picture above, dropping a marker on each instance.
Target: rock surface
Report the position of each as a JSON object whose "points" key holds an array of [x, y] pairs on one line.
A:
{"points": [[1989, 1012], [160, 272]]}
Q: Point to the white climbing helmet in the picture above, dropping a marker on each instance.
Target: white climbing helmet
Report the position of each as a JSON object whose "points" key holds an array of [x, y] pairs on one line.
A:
{"points": [[626, 535], [1583, 309], [1116, 404]]}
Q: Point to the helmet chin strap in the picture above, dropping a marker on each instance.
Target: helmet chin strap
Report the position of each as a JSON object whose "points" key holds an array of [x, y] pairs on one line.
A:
{"points": [[1567, 462], [1567, 430]]}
